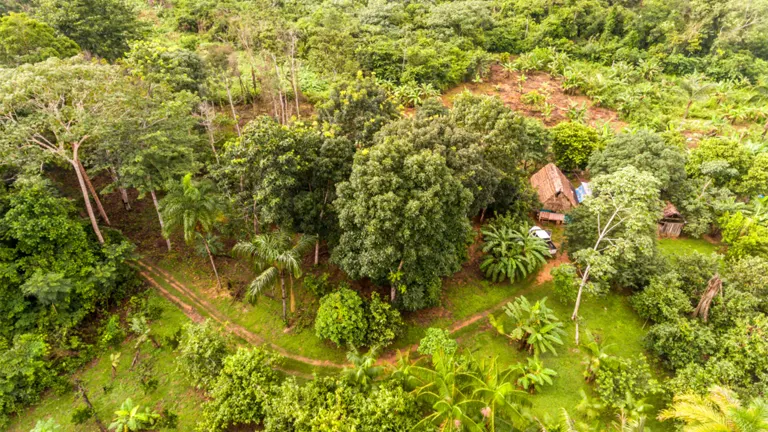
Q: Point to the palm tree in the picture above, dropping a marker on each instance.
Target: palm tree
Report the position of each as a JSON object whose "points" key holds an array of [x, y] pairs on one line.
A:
{"points": [[694, 87], [193, 208], [497, 389], [720, 410], [364, 371], [276, 255]]}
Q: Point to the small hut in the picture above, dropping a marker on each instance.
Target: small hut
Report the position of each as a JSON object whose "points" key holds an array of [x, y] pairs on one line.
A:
{"points": [[555, 191], [671, 222]]}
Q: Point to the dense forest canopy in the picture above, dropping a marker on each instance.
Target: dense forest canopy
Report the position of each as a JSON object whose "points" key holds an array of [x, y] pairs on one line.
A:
{"points": [[349, 168]]}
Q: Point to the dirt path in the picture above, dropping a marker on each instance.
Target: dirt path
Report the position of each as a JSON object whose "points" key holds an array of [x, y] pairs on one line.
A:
{"points": [[152, 273]]}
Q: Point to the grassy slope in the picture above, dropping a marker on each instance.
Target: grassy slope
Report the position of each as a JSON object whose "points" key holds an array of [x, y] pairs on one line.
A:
{"points": [[173, 392]]}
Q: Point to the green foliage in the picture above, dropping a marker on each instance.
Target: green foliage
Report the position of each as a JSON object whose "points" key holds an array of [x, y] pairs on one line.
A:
{"points": [[536, 327], [201, 353], [25, 40], [755, 181], [129, 418], [81, 415], [512, 253], [111, 334], [341, 318], [356, 110], [681, 342], [402, 212], [49, 425], [744, 236], [437, 341], [157, 63], [646, 151], [721, 159], [241, 391], [566, 282], [318, 286], [572, 144], [384, 322], [619, 377], [100, 27], [533, 375], [24, 374], [662, 300]]}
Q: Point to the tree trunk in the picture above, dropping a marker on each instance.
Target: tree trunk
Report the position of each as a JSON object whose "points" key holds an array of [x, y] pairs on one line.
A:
{"points": [[765, 129], [282, 288], [84, 396], [96, 199], [209, 118], [121, 189], [317, 251], [256, 228], [294, 74], [255, 86], [88, 207], [160, 219], [687, 108], [213, 264], [293, 297], [232, 105], [482, 215], [578, 296]]}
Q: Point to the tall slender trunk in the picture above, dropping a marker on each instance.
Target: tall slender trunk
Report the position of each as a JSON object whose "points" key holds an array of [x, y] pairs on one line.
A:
{"points": [[213, 264], [293, 297], [393, 288], [294, 73], [243, 89], [95, 196], [84, 395], [282, 288], [88, 207], [120, 188], [209, 118], [160, 218], [255, 86], [687, 108], [317, 251], [232, 106]]}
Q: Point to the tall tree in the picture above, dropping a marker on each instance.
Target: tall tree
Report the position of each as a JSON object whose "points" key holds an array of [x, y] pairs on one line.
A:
{"points": [[193, 208], [403, 217], [625, 207], [60, 107], [279, 256], [25, 40]]}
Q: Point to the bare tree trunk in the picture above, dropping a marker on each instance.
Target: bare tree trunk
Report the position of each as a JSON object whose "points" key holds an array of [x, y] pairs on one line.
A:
{"points": [[282, 288], [317, 251], [256, 228], [294, 73], [284, 119], [232, 105], [160, 218], [255, 86], [209, 118], [84, 395], [482, 215], [584, 278], [120, 188], [96, 199], [84, 190], [293, 297], [243, 89], [213, 264], [687, 108]]}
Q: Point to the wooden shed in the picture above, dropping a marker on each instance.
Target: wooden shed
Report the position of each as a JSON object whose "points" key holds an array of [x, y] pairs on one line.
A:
{"points": [[671, 222], [555, 190]]}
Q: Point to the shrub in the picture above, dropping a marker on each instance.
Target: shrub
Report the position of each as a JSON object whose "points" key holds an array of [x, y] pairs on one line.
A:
{"points": [[511, 252], [202, 353], [49, 425], [537, 328], [533, 375], [437, 340], [241, 391], [620, 376], [694, 271], [573, 144], [24, 374], [341, 318], [111, 334], [566, 283], [318, 286], [662, 300], [681, 342], [384, 322], [698, 378]]}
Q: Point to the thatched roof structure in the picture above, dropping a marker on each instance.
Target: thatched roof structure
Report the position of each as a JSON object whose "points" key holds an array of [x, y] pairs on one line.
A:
{"points": [[555, 190], [671, 222], [671, 212]]}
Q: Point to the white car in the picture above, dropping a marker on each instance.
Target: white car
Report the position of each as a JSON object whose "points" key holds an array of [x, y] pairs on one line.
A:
{"points": [[544, 235]]}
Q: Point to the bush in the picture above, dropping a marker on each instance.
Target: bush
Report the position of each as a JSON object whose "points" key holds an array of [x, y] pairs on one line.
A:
{"points": [[24, 374], [697, 378], [111, 334], [511, 251], [341, 318], [384, 322], [202, 353], [318, 286], [573, 144], [566, 283], [619, 377], [537, 328], [681, 342], [662, 300], [437, 340], [241, 391]]}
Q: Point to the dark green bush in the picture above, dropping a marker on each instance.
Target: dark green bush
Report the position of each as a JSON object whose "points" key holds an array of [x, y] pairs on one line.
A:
{"points": [[384, 322], [341, 318], [573, 144]]}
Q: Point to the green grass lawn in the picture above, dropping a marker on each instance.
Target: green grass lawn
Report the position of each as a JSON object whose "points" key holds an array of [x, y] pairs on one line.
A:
{"points": [[610, 316], [685, 246], [174, 391]]}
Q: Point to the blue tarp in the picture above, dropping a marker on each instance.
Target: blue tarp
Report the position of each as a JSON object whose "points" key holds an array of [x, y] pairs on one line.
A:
{"points": [[583, 191]]}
